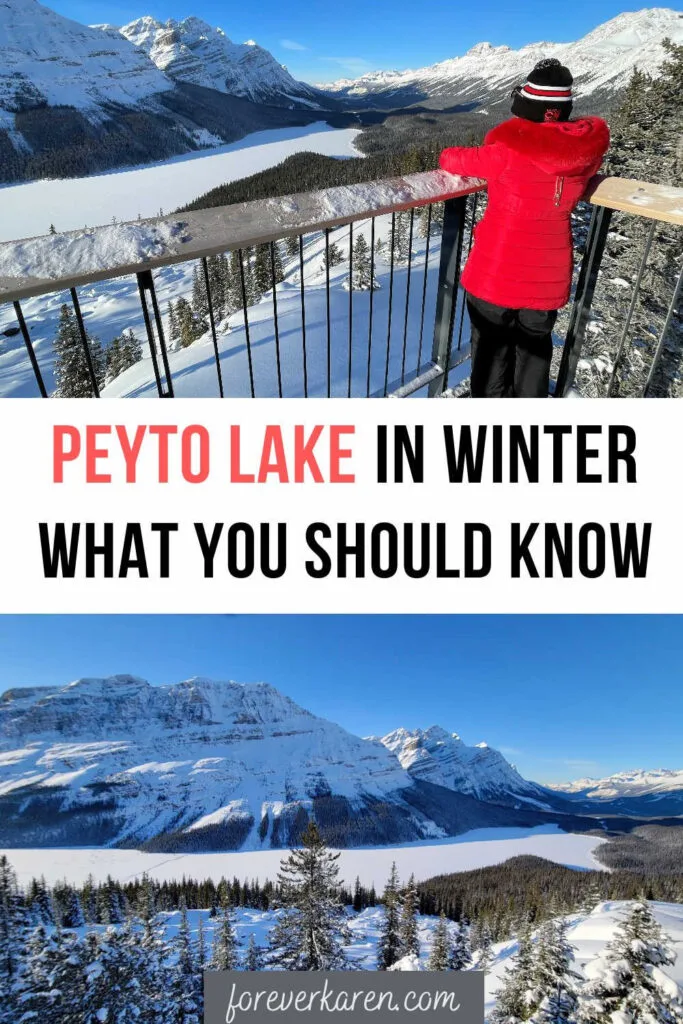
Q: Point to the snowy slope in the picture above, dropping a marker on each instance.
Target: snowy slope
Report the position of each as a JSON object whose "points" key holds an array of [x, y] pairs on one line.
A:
{"points": [[601, 63], [193, 51], [47, 58], [589, 934], [444, 759]]}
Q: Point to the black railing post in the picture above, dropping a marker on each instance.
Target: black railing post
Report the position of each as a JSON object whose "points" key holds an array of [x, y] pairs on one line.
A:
{"points": [[29, 348], [84, 342], [447, 291], [146, 284], [583, 299]]}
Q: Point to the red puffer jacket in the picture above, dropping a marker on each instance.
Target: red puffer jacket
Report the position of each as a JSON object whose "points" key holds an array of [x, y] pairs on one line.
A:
{"points": [[536, 174]]}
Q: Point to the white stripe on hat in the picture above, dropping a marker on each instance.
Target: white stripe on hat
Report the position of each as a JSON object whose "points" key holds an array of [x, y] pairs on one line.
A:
{"points": [[549, 88], [545, 99]]}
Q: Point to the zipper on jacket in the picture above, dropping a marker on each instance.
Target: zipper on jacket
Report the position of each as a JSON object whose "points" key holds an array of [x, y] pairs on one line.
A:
{"points": [[559, 186]]}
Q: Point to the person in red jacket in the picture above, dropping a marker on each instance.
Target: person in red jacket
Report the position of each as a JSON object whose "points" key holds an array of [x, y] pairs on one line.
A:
{"points": [[519, 272]]}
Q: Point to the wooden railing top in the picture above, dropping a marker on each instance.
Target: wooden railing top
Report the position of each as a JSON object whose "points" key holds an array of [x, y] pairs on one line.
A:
{"points": [[118, 250], [658, 202], [112, 251]]}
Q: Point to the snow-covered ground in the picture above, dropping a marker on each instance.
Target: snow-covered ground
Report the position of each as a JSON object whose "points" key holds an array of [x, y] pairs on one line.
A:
{"points": [[476, 849], [113, 306], [589, 935], [71, 203]]}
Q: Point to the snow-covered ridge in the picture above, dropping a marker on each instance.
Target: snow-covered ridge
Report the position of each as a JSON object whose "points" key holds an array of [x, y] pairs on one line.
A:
{"points": [[624, 784], [227, 765], [443, 758], [194, 51], [602, 60], [47, 58]]}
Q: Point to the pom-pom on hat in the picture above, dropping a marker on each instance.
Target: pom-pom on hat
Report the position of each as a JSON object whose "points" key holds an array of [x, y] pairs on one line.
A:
{"points": [[547, 93]]}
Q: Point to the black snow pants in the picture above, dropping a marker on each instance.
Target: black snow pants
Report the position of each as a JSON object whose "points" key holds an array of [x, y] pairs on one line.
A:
{"points": [[511, 350]]}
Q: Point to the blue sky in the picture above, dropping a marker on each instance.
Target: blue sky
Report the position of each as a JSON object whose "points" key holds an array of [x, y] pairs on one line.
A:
{"points": [[322, 41], [563, 697]]}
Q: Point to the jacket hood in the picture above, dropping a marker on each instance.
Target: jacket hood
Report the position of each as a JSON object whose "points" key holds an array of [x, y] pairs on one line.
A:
{"points": [[557, 147]]}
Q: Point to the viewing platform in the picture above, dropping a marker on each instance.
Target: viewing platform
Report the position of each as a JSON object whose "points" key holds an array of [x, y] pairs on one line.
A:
{"points": [[329, 315]]}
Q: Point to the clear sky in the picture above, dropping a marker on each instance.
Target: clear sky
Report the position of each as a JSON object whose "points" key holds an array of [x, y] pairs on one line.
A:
{"points": [[322, 41], [562, 697]]}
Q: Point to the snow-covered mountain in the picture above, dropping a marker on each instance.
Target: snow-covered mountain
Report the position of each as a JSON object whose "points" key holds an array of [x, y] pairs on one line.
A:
{"points": [[46, 58], [76, 99], [442, 758], [601, 63], [210, 765], [193, 51], [659, 791]]}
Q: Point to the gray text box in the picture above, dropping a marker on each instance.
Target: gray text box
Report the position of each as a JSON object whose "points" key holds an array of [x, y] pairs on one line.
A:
{"points": [[359, 997]]}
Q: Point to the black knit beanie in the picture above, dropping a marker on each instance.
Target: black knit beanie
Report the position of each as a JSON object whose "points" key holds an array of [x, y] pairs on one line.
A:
{"points": [[546, 95]]}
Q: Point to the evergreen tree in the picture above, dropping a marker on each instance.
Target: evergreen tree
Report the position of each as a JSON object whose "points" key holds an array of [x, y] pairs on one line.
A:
{"points": [[484, 950], [262, 274], [439, 956], [311, 931], [410, 944], [184, 986], [357, 896], [627, 983], [200, 302], [514, 995], [292, 246], [390, 948], [554, 990], [253, 959], [460, 954], [14, 928], [224, 955], [173, 326], [71, 368], [332, 256], [363, 276]]}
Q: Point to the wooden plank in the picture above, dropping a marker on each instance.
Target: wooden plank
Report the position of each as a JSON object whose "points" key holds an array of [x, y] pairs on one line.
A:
{"points": [[656, 202], [189, 236]]}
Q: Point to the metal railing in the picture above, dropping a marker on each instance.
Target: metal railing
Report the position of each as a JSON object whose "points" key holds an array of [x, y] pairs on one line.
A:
{"points": [[296, 334]]}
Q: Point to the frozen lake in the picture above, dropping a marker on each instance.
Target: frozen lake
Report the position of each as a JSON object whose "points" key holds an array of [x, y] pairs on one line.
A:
{"points": [[476, 849], [72, 203]]}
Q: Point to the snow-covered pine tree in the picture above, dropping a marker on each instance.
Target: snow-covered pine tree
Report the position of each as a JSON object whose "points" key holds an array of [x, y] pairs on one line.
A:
{"points": [[439, 959], [14, 931], [332, 256], [627, 983], [261, 277], [67, 906], [173, 327], [224, 953], [39, 899], [357, 896], [460, 957], [363, 277], [200, 302], [554, 991], [71, 368], [484, 950], [410, 943], [131, 349], [236, 299], [311, 931], [390, 948], [514, 995], [184, 979], [646, 130], [292, 246], [253, 958], [112, 990]]}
